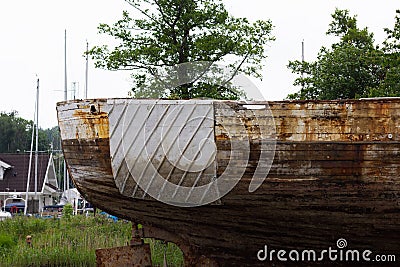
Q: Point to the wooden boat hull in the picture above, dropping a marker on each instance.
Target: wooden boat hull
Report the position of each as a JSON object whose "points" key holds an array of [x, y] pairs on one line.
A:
{"points": [[334, 174]]}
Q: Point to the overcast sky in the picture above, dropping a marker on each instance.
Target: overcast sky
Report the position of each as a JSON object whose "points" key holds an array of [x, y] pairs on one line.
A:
{"points": [[32, 43]]}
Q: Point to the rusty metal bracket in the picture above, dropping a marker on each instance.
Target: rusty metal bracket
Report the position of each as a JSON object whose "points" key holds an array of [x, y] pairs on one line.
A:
{"points": [[192, 256]]}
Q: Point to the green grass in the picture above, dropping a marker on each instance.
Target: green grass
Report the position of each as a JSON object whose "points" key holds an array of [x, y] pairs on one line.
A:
{"points": [[70, 242]]}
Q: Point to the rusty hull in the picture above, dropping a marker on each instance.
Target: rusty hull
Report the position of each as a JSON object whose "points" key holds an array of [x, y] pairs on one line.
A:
{"points": [[335, 175]]}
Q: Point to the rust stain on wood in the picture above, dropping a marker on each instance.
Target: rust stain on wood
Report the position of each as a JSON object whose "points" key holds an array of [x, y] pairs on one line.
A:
{"points": [[95, 124]]}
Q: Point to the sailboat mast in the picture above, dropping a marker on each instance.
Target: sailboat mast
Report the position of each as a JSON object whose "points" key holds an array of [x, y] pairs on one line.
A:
{"points": [[66, 178], [302, 61], [30, 163], [37, 137], [65, 66], [87, 69]]}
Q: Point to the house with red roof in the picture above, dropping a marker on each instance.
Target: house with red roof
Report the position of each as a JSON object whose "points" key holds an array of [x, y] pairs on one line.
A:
{"points": [[14, 169]]}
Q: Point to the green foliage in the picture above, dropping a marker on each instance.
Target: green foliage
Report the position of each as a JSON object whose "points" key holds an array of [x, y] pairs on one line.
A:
{"points": [[61, 242], [16, 134], [52, 136], [7, 244], [390, 86], [71, 242], [165, 33], [172, 252], [392, 41], [68, 211], [353, 67]]}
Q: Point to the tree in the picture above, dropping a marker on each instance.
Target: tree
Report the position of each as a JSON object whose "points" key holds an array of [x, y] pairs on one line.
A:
{"points": [[169, 33], [347, 70], [390, 86], [53, 137], [16, 134], [392, 41]]}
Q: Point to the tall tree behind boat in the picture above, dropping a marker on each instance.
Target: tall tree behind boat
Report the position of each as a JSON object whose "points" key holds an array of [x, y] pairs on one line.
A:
{"points": [[163, 34]]}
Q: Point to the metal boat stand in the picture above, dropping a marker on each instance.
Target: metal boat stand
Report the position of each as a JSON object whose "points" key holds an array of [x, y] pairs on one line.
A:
{"points": [[138, 254], [192, 257]]}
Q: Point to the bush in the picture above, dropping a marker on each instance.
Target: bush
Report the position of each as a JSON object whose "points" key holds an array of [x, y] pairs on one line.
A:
{"points": [[68, 211], [7, 243]]}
